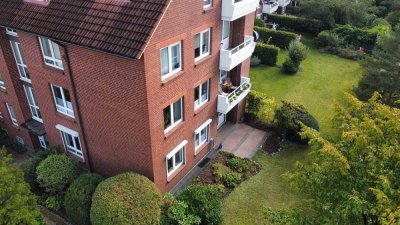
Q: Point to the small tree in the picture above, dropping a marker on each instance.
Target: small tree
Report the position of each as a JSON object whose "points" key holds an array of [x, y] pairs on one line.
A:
{"points": [[297, 53], [17, 203], [127, 198]]}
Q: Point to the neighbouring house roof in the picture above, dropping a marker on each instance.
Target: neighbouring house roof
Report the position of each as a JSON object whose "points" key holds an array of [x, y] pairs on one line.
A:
{"points": [[121, 27]]}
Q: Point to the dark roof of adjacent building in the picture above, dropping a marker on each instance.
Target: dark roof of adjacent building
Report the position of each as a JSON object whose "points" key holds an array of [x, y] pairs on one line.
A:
{"points": [[120, 27]]}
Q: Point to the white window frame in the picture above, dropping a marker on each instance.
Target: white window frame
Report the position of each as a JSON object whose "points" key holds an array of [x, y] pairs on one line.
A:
{"points": [[24, 75], [52, 57], [200, 102], [207, 5], [42, 141], [33, 105], [20, 140], [11, 113], [202, 54], [172, 154], [73, 149], [1, 115], [11, 32], [170, 66], [63, 109], [2, 85], [197, 134], [173, 123]]}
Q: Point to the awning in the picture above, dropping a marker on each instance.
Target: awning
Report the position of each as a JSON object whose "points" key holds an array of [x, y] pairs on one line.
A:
{"points": [[34, 127]]}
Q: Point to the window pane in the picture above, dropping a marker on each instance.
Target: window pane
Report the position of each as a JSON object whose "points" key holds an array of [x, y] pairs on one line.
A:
{"points": [[78, 144], [56, 49], [167, 117], [196, 94], [16, 51], [46, 47], [203, 134], [66, 95], [176, 56], [197, 140], [164, 61], [177, 110], [179, 157], [205, 47], [204, 91], [170, 164], [69, 140], [197, 46]]}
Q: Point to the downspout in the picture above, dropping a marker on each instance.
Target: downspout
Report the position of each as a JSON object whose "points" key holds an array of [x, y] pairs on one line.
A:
{"points": [[71, 78]]}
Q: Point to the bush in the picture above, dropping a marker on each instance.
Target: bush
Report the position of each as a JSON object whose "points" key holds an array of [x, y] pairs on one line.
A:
{"points": [[328, 39], [297, 51], [394, 18], [290, 66], [289, 118], [56, 172], [278, 38], [260, 107], [237, 164], [268, 54], [232, 179], [127, 198], [78, 198], [355, 37], [29, 168], [54, 202], [203, 201], [174, 212], [255, 61], [299, 24], [350, 53], [219, 171], [259, 23]]}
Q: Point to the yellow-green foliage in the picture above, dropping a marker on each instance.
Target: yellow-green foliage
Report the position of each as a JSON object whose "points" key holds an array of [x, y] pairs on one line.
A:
{"points": [[261, 107]]}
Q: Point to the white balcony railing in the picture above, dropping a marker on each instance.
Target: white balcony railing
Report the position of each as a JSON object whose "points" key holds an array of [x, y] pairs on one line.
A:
{"points": [[270, 7], [283, 3], [229, 58], [226, 101], [234, 9]]}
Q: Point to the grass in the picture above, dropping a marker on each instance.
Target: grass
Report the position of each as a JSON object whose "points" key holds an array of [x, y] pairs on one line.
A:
{"points": [[245, 204], [322, 80]]}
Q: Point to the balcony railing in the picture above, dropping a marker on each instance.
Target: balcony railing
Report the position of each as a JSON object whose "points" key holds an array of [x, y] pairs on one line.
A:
{"points": [[229, 58], [234, 9], [270, 7], [226, 101], [283, 3]]}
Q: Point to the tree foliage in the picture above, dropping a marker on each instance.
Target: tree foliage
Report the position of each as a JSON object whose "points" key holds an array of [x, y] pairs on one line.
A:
{"points": [[355, 179], [17, 203]]}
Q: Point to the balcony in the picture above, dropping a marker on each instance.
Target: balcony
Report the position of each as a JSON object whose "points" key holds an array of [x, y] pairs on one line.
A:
{"points": [[234, 9], [283, 3], [229, 58], [226, 101], [270, 7]]}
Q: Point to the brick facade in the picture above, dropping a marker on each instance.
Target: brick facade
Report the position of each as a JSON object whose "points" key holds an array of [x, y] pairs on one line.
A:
{"points": [[118, 102]]}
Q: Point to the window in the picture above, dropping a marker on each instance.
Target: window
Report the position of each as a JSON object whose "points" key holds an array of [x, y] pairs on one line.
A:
{"points": [[62, 100], [51, 53], [19, 140], [30, 95], [207, 3], [1, 115], [2, 86], [10, 31], [19, 58], [43, 141], [173, 114], [170, 60], [201, 93], [12, 114], [202, 44], [176, 158], [71, 140], [223, 77], [201, 134]]}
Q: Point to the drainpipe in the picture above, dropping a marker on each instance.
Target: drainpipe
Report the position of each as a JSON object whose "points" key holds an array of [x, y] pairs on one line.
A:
{"points": [[71, 78]]}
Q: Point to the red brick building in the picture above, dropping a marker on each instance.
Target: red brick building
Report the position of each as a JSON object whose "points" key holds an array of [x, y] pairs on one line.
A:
{"points": [[125, 85]]}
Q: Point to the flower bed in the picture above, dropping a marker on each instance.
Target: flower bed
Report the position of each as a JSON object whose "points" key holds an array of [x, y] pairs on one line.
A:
{"points": [[227, 171]]}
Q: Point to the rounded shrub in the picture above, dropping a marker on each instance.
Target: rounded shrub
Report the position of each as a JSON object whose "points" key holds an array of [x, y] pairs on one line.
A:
{"points": [[290, 66], [78, 198], [127, 198], [240, 165], [54, 202], [29, 168], [328, 39], [297, 51], [290, 117], [56, 172], [232, 179], [203, 201]]}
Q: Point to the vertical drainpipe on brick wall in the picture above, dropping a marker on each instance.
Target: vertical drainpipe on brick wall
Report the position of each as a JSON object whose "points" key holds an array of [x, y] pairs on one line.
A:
{"points": [[71, 78]]}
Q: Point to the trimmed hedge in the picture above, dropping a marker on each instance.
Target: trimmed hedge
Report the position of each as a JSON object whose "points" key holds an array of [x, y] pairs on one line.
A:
{"points": [[78, 198], [300, 24], [278, 38], [355, 36], [127, 198], [56, 172], [268, 54]]}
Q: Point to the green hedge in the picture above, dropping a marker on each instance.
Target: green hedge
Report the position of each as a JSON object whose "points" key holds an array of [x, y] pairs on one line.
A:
{"points": [[78, 198], [356, 37], [268, 54], [127, 198], [278, 38], [300, 24]]}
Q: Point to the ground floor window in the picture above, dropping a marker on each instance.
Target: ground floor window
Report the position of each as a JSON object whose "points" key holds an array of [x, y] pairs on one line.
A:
{"points": [[71, 140], [43, 141], [20, 140], [176, 158], [201, 134]]}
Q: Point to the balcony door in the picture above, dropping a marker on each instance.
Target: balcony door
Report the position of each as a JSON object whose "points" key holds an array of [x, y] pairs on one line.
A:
{"points": [[221, 119], [225, 34]]}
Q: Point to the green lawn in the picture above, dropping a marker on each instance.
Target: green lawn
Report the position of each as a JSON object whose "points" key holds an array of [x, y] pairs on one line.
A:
{"points": [[323, 79]]}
